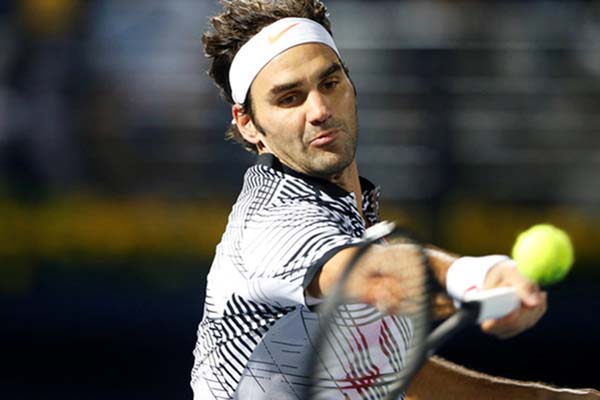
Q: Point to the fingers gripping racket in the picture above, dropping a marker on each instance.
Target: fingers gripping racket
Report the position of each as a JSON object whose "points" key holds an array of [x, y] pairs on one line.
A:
{"points": [[364, 352]]}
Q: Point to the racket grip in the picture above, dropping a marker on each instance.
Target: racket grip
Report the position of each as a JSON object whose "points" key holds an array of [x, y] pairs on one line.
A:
{"points": [[493, 303]]}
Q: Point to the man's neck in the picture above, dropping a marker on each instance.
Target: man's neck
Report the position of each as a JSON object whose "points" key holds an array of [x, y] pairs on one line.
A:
{"points": [[349, 180]]}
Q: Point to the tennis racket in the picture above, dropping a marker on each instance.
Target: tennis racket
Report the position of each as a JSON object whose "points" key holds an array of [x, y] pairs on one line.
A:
{"points": [[364, 353]]}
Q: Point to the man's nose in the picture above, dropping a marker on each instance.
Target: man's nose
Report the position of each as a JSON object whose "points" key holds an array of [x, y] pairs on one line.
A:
{"points": [[318, 108]]}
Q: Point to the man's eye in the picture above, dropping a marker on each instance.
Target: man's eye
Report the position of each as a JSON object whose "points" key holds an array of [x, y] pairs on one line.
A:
{"points": [[330, 84], [287, 100]]}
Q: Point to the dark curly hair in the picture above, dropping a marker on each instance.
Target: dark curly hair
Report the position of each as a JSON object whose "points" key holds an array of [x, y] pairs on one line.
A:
{"points": [[240, 21]]}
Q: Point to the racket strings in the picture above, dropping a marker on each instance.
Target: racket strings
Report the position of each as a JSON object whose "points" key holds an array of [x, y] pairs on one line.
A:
{"points": [[343, 350], [374, 349]]}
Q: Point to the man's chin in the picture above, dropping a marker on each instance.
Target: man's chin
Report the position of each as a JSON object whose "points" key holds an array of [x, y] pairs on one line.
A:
{"points": [[330, 168]]}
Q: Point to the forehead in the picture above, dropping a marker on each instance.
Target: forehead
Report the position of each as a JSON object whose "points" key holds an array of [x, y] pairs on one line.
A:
{"points": [[299, 63]]}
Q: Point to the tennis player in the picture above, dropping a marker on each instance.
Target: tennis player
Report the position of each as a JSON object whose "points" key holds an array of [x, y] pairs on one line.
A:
{"points": [[302, 211]]}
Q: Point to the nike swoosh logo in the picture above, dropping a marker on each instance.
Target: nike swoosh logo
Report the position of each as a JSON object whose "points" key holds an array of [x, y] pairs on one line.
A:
{"points": [[274, 38]]}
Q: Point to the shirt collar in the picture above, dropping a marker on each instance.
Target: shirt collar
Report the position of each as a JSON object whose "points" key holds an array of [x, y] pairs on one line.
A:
{"points": [[370, 192]]}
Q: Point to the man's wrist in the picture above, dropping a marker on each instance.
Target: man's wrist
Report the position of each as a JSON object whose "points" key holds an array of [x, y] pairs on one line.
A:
{"points": [[468, 273]]}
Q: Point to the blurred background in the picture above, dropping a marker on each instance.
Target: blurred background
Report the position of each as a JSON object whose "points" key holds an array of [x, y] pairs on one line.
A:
{"points": [[477, 118]]}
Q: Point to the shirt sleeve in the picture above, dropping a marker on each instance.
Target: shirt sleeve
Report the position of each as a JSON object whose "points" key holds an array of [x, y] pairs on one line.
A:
{"points": [[286, 245]]}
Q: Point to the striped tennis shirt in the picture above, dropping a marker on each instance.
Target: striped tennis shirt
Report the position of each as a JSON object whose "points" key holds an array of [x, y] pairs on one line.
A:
{"points": [[258, 325]]}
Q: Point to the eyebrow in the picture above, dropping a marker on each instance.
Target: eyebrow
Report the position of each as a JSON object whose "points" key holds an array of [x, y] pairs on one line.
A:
{"points": [[332, 69]]}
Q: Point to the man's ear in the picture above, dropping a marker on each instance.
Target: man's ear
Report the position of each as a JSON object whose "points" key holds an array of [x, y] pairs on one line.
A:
{"points": [[245, 125]]}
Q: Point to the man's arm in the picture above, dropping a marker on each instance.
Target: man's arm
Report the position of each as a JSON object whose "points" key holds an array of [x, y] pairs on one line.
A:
{"points": [[380, 275], [442, 380], [378, 280], [382, 261]]}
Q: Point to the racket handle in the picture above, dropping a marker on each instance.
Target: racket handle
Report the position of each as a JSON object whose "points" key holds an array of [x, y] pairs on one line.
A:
{"points": [[493, 303], [477, 306]]}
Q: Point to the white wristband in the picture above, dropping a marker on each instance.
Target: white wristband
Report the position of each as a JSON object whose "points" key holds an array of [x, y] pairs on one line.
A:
{"points": [[469, 273]]}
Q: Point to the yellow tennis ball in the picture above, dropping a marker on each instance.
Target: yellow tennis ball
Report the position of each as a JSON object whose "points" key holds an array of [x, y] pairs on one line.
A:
{"points": [[544, 254]]}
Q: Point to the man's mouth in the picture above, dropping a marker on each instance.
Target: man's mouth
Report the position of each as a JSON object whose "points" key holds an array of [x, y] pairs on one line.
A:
{"points": [[324, 138]]}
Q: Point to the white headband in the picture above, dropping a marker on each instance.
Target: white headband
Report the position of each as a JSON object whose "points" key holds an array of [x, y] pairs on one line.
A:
{"points": [[271, 41]]}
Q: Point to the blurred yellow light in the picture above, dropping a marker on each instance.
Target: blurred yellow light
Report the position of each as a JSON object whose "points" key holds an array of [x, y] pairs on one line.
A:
{"points": [[48, 16]]}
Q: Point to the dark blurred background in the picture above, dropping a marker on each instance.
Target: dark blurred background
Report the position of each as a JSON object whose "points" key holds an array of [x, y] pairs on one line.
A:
{"points": [[477, 118]]}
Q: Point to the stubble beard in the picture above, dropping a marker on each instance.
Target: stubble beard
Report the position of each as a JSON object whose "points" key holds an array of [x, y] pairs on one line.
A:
{"points": [[327, 164], [322, 163], [322, 166]]}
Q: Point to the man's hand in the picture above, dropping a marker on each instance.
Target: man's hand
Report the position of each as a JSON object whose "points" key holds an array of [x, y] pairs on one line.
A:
{"points": [[533, 301]]}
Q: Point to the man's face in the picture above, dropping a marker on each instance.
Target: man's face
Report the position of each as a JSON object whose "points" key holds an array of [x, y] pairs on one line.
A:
{"points": [[305, 111]]}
